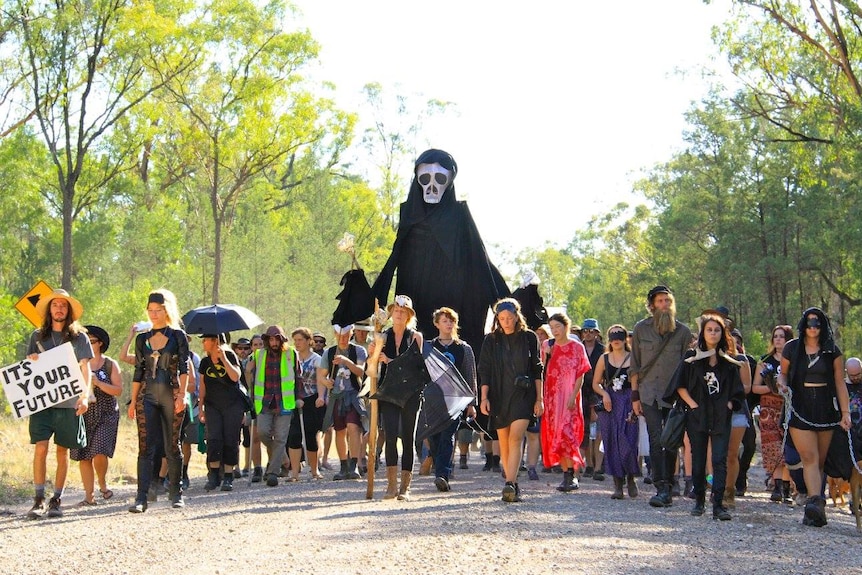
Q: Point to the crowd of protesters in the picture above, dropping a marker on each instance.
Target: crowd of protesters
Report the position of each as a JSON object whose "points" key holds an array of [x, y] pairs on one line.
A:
{"points": [[585, 404]]}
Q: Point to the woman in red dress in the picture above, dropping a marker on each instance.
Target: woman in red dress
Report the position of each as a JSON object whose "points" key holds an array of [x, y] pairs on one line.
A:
{"points": [[563, 420]]}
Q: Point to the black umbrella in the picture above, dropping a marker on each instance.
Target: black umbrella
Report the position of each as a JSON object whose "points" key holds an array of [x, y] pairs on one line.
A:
{"points": [[444, 398], [220, 318], [406, 375]]}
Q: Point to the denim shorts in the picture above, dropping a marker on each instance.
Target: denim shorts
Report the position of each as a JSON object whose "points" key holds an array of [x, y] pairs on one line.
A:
{"points": [[739, 419]]}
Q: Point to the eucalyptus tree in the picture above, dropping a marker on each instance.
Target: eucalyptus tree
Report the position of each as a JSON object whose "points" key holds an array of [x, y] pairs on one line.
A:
{"points": [[244, 114], [80, 66]]}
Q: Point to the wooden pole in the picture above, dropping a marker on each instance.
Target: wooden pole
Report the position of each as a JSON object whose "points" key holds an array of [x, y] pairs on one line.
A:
{"points": [[371, 366]]}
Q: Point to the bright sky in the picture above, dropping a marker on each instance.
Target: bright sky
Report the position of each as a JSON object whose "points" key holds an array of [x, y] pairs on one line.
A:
{"points": [[561, 105]]}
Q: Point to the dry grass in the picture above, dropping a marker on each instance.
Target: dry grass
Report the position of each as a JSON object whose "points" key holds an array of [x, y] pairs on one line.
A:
{"points": [[16, 455]]}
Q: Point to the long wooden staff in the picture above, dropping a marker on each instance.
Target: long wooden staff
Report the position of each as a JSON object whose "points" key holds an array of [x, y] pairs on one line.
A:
{"points": [[372, 371]]}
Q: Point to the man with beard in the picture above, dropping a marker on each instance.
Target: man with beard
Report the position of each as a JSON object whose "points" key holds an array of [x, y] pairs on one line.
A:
{"points": [[271, 371], [60, 313], [658, 344]]}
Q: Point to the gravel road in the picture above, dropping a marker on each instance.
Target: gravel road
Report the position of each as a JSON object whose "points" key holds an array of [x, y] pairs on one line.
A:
{"points": [[327, 527]]}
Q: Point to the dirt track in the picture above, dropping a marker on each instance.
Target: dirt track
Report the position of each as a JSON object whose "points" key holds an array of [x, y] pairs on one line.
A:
{"points": [[329, 527]]}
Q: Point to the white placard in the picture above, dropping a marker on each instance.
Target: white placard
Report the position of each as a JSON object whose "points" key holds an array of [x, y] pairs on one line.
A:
{"points": [[31, 386]]}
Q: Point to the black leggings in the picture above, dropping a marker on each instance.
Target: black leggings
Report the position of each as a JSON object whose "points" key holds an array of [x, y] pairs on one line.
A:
{"points": [[399, 423], [223, 424]]}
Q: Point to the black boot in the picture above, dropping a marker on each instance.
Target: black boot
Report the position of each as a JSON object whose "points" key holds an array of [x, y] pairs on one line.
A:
{"points": [[632, 486], [777, 490], [674, 487], [342, 474], [618, 488], [663, 497], [462, 462], [495, 463], [785, 493], [699, 505], [352, 473], [721, 513], [689, 488], [568, 483], [488, 459], [815, 512], [212, 479]]}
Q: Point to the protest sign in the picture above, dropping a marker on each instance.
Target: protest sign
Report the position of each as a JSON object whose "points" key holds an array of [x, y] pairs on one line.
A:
{"points": [[31, 386]]}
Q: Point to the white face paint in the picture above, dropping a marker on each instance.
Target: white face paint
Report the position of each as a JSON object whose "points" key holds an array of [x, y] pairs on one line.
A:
{"points": [[434, 180]]}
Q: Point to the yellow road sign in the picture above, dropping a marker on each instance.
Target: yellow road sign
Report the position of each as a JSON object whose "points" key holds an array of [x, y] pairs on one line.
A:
{"points": [[27, 304]]}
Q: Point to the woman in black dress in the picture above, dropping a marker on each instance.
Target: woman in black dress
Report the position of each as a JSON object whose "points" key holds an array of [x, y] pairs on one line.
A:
{"points": [[510, 373], [813, 372]]}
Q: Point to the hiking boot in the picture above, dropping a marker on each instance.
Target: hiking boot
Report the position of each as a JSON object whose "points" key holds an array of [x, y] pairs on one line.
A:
{"points": [[632, 486], [510, 494], [404, 490], [54, 507], [272, 480], [663, 498], [39, 508], [777, 489], [488, 464], [699, 505], [352, 473], [785, 493], [729, 500], [674, 487], [427, 464], [721, 513], [212, 479], [342, 473], [257, 475], [568, 484], [815, 511], [442, 484], [227, 482], [618, 488], [462, 462]]}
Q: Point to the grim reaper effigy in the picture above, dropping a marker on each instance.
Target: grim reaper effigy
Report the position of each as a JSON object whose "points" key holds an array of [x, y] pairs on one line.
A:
{"points": [[438, 253]]}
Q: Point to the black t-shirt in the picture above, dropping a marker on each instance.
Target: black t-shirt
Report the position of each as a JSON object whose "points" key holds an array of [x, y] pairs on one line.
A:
{"points": [[221, 390]]}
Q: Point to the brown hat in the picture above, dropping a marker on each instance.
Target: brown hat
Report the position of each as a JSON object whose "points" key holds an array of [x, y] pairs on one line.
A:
{"points": [[402, 301], [275, 331], [45, 301]]}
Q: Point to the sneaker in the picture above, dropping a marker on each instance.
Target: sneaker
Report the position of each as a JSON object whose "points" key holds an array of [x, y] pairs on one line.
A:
{"points": [[257, 475], [237, 474], [510, 495], [721, 513], [272, 480], [138, 507], [815, 511], [39, 508], [54, 507], [177, 501], [245, 472], [227, 483], [442, 484], [185, 482], [532, 475]]}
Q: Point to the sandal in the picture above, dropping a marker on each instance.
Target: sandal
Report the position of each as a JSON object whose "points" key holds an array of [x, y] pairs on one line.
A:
{"points": [[317, 475], [86, 503], [292, 479], [106, 494]]}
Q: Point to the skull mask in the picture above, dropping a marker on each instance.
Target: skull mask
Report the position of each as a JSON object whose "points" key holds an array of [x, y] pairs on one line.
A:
{"points": [[434, 180]]}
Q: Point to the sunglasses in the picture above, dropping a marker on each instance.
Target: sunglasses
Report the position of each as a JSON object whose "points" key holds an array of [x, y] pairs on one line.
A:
{"points": [[617, 336], [320, 341], [243, 347], [812, 322]]}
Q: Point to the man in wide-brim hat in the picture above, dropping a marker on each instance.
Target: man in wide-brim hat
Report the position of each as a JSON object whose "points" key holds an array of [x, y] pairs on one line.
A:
{"points": [[60, 313]]}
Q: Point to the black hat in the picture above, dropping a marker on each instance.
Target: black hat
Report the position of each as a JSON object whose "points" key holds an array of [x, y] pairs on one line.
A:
{"points": [[657, 290], [99, 334]]}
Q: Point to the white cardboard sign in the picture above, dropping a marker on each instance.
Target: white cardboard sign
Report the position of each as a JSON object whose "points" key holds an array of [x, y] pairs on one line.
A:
{"points": [[32, 386]]}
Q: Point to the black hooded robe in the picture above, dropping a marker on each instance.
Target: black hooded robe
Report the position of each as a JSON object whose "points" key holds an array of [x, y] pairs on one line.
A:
{"points": [[441, 260]]}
